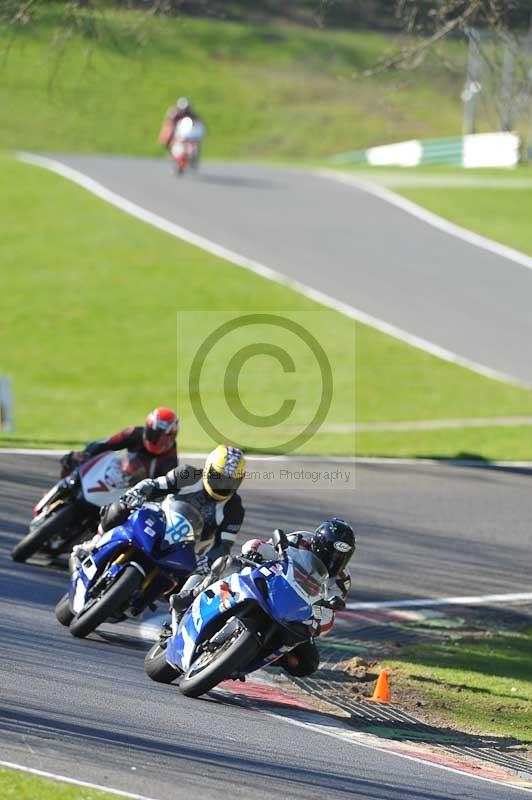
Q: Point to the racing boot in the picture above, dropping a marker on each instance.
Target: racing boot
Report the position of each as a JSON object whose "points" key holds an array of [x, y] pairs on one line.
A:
{"points": [[83, 550]]}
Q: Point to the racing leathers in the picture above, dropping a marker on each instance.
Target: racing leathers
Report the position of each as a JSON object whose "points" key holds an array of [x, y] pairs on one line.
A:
{"points": [[143, 463], [222, 519], [172, 118]]}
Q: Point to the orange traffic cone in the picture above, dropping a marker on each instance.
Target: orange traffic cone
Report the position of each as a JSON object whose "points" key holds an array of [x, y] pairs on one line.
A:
{"points": [[382, 689]]}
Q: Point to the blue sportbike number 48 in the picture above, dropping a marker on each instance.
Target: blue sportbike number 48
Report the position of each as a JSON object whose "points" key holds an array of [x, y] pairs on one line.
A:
{"points": [[132, 563]]}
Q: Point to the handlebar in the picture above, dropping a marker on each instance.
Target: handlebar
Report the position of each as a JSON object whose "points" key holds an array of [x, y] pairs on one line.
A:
{"points": [[335, 603], [280, 541]]}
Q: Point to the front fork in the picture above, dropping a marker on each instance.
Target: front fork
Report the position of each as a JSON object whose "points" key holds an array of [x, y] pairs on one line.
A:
{"points": [[152, 586]]}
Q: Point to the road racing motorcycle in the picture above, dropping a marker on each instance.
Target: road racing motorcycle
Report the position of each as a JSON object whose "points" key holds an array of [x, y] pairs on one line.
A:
{"points": [[242, 622], [132, 564], [186, 144], [70, 511]]}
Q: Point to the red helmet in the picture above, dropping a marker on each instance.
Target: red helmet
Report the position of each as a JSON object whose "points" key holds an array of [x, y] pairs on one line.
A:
{"points": [[160, 430]]}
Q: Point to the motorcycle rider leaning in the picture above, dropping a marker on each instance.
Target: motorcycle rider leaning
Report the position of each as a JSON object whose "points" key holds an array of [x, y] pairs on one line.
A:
{"points": [[153, 444], [333, 542], [211, 490], [182, 108]]}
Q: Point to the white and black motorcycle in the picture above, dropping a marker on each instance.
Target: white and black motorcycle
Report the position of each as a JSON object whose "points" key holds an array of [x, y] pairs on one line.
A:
{"points": [[186, 144], [70, 511]]}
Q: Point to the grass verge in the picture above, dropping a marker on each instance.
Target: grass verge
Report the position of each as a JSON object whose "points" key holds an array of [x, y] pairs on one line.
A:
{"points": [[271, 90], [88, 311], [15, 785], [501, 214], [478, 685]]}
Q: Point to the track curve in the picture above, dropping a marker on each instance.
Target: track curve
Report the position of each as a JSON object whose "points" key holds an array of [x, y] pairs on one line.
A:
{"points": [[84, 708], [348, 244]]}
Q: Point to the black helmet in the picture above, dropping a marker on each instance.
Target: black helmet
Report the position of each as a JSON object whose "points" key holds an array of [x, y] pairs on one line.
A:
{"points": [[334, 544]]}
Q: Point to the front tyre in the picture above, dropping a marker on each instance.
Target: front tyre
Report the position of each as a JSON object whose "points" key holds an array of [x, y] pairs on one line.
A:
{"points": [[211, 668], [157, 667], [112, 602], [51, 526], [63, 611]]}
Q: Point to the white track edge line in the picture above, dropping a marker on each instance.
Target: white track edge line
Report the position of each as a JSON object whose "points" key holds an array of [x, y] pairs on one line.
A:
{"points": [[426, 763], [451, 228], [443, 601], [260, 269], [74, 781], [302, 458]]}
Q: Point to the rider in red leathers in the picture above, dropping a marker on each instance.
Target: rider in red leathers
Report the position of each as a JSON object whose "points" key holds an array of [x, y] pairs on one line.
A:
{"points": [[182, 109], [153, 445]]}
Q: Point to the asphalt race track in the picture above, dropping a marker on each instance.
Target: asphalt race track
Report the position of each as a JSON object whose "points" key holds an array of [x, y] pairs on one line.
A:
{"points": [[85, 709], [347, 243]]}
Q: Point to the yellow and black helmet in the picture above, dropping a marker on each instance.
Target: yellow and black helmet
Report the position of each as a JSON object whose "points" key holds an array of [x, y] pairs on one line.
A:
{"points": [[223, 472]]}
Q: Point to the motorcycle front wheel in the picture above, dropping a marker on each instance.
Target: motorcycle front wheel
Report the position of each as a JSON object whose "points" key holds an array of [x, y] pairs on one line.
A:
{"points": [[211, 668], [51, 526], [113, 601], [157, 667]]}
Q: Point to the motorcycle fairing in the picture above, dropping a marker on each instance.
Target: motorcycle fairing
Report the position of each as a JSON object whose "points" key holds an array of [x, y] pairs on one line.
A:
{"points": [[144, 530], [102, 479], [281, 602], [52, 494], [221, 596]]}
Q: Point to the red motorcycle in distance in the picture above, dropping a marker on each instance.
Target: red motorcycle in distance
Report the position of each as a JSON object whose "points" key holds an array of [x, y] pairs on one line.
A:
{"points": [[186, 142]]}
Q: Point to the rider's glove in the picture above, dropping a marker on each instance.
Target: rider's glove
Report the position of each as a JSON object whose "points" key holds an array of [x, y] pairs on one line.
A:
{"points": [[334, 603], [70, 461], [139, 493], [252, 557]]}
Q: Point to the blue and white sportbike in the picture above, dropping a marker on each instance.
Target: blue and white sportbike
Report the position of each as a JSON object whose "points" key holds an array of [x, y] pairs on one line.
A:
{"points": [[131, 565], [242, 622]]}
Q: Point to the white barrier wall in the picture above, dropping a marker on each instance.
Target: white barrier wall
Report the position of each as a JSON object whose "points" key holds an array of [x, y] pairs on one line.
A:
{"points": [[491, 150], [403, 154]]}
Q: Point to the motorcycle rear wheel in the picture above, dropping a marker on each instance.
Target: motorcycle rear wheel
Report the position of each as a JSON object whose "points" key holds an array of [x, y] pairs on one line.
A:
{"points": [[51, 526], [237, 652], [110, 603], [157, 667], [63, 612]]}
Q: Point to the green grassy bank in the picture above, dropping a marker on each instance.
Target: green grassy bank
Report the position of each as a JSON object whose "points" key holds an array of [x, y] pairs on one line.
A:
{"points": [[89, 308], [267, 91], [16, 785], [474, 684]]}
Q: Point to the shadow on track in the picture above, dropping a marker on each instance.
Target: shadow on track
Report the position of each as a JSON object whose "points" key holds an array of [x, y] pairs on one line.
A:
{"points": [[234, 180], [283, 777]]}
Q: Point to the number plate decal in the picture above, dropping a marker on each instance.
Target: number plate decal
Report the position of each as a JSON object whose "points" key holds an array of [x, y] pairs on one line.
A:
{"points": [[89, 568], [177, 529]]}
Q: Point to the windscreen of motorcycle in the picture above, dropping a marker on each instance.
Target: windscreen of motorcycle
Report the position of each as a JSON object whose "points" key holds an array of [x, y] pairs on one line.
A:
{"points": [[104, 478], [295, 585], [306, 574], [184, 523]]}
